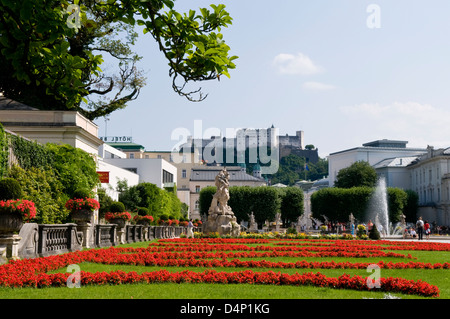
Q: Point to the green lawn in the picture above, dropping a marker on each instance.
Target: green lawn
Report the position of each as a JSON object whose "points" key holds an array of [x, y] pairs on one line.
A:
{"points": [[440, 278]]}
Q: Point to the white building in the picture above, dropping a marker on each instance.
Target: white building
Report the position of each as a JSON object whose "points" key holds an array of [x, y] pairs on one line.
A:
{"points": [[374, 153], [59, 127], [114, 173], [395, 171], [430, 179], [150, 170]]}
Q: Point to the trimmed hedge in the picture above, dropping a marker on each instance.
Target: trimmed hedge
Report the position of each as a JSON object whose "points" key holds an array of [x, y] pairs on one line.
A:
{"points": [[337, 203], [264, 202]]}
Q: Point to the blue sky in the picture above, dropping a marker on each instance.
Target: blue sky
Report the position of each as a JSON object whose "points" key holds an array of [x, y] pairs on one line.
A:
{"points": [[313, 66]]}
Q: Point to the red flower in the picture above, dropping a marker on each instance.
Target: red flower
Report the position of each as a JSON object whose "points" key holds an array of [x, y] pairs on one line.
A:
{"points": [[23, 207], [122, 215], [82, 203]]}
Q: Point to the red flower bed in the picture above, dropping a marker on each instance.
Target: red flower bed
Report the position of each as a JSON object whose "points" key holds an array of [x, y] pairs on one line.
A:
{"points": [[219, 253]]}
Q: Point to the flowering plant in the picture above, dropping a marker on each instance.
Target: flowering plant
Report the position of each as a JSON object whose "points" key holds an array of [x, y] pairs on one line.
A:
{"points": [[145, 217], [122, 215], [82, 203], [23, 207], [163, 222]]}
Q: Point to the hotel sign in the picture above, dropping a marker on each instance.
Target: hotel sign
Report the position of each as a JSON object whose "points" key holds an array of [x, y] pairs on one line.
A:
{"points": [[112, 139], [103, 176]]}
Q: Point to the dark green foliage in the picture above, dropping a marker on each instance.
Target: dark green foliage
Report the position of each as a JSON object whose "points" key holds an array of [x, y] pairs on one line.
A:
{"points": [[105, 201], [10, 189], [44, 188], [116, 207], [30, 153], [82, 193], [374, 233], [48, 174], [4, 151], [292, 169], [49, 63], [158, 201], [358, 174], [397, 199], [164, 217], [337, 203], [76, 168], [411, 206], [206, 196], [291, 204], [142, 211], [264, 202]]}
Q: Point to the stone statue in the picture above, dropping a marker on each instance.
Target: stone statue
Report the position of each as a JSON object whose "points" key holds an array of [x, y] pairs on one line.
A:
{"points": [[403, 220], [219, 204], [352, 219], [277, 221], [253, 226], [221, 218]]}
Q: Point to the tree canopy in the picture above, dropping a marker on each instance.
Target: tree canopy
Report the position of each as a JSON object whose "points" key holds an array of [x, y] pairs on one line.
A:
{"points": [[360, 173], [51, 52]]}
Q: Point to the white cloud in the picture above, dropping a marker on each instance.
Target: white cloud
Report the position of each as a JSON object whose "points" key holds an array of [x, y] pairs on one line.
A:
{"points": [[317, 86], [420, 124], [296, 64]]}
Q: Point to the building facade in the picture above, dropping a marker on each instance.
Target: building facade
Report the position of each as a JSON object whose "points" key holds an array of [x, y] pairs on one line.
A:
{"points": [[373, 153], [430, 179], [150, 170]]}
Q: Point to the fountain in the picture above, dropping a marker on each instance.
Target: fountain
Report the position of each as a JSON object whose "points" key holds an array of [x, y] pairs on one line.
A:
{"points": [[379, 214], [378, 208]]}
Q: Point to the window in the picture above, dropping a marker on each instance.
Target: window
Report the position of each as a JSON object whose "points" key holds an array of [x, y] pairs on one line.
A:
{"points": [[131, 155], [197, 189], [183, 173], [159, 156], [167, 177], [197, 205]]}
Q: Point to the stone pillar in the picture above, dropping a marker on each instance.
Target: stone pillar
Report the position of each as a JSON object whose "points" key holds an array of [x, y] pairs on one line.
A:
{"points": [[9, 246], [86, 229], [121, 236]]}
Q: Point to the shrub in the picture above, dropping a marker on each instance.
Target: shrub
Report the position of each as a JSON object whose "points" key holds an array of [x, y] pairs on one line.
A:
{"points": [[82, 193], [44, 188], [116, 207], [374, 234], [105, 202], [164, 217], [10, 189], [142, 211]]}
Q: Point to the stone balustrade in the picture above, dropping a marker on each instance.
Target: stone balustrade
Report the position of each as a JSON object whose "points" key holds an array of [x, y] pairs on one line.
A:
{"points": [[40, 240]]}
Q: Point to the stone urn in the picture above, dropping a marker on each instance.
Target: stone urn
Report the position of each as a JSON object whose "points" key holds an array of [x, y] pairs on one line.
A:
{"points": [[143, 222], [10, 223], [120, 222], [82, 215]]}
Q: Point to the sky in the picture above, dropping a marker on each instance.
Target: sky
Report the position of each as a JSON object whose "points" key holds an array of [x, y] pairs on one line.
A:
{"points": [[345, 72]]}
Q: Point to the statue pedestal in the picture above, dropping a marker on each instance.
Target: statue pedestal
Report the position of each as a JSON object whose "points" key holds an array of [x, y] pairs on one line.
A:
{"points": [[9, 247], [225, 225]]}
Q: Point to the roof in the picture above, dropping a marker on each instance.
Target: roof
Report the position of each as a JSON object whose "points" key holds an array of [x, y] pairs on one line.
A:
{"points": [[127, 146], [387, 143], [8, 104], [210, 173], [279, 185], [395, 162]]}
